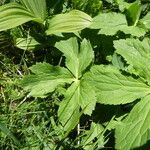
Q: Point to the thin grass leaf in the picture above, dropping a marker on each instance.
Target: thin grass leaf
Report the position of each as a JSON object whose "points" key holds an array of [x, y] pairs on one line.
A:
{"points": [[8, 133]]}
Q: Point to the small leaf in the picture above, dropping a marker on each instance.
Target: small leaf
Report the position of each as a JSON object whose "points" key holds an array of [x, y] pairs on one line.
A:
{"points": [[122, 5], [26, 43], [69, 22], [112, 87], [134, 131], [45, 79], [94, 132], [118, 62]]}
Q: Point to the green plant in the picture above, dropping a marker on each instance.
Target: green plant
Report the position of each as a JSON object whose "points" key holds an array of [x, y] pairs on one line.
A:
{"points": [[83, 92]]}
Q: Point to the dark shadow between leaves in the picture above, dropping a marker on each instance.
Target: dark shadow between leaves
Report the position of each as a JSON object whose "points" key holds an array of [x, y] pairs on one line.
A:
{"points": [[144, 147]]}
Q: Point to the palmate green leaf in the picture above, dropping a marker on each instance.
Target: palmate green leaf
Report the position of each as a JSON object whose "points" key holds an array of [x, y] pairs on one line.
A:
{"points": [[76, 61], [112, 87], [45, 79], [12, 15], [73, 21], [134, 131], [137, 54], [111, 23], [80, 94], [36, 7]]}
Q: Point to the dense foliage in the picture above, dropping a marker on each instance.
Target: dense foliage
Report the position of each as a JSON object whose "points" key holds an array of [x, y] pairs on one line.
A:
{"points": [[74, 74]]}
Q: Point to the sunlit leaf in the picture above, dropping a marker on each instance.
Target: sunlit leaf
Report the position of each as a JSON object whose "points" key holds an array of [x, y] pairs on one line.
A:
{"points": [[45, 79], [70, 22], [137, 54], [78, 95], [76, 60], [146, 20], [12, 15], [134, 131], [111, 23], [36, 7], [112, 87], [133, 13], [69, 107]]}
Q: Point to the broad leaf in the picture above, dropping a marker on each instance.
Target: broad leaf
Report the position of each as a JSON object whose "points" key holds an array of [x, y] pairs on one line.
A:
{"points": [[137, 54], [69, 22], [12, 15], [111, 23], [105, 20], [80, 94], [134, 131], [112, 87], [133, 30], [45, 79], [108, 21], [36, 7], [76, 61]]}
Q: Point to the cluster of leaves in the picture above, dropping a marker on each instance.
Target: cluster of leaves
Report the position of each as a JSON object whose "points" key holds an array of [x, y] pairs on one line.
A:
{"points": [[76, 79]]}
